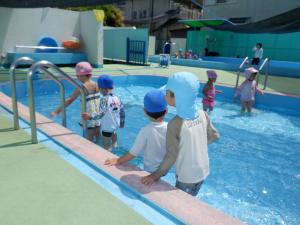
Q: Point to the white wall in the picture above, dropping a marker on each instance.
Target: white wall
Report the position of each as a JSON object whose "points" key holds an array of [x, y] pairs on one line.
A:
{"points": [[28, 26], [92, 37]]}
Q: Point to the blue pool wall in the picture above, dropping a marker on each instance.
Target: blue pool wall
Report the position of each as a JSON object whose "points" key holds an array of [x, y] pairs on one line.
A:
{"points": [[272, 101], [277, 68]]}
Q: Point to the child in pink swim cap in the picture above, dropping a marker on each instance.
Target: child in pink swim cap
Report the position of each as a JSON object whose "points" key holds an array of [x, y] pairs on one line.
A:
{"points": [[247, 90], [84, 73], [209, 91]]}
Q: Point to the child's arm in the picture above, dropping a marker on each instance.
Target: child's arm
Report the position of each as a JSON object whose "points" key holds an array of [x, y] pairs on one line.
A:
{"points": [[137, 148], [239, 89], [172, 147], [259, 91], [212, 132], [118, 161], [205, 90], [68, 102]]}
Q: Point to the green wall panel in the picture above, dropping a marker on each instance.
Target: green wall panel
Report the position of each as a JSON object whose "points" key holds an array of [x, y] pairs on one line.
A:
{"points": [[228, 44]]}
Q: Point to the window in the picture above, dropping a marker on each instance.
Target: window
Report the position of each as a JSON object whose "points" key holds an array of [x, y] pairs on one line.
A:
{"points": [[144, 13], [134, 15]]}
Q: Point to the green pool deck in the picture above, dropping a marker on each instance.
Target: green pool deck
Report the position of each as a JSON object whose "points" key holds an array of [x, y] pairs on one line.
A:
{"points": [[276, 84], [38, 187]]}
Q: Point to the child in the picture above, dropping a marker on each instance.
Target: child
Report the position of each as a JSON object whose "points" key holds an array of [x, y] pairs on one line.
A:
{"points": [[247, 90], [111, 112], [209, 91], [84, 74], [188, 134], [151, 139], [258, 54]]}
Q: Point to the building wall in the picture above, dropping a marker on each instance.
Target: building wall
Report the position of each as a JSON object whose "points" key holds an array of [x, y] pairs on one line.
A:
{"points": [[255, 9], [276, 46], [138, 6]]}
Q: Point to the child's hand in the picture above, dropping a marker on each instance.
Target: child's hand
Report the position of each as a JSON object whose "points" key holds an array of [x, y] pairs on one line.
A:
{"points": [[86, 116], [148, 180], [111, 162], [53, 114]]}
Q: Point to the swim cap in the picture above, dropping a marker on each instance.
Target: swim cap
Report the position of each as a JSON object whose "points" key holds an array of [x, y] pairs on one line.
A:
{"points": [[83, 68], [185, 87], [155, 101], [250, 71], [105, 81], [211, 74]]}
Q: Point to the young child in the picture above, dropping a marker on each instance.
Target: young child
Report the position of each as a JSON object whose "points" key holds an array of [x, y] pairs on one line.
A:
{"points": [[247, 90], [188, 134], [151, 139], [258, 54], [111, 112], [84, 74], [209, 91]]}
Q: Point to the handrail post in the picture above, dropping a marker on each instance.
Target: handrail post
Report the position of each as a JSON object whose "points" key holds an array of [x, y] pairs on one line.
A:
{"points": [[239, 71], [260, 69], [14, 90], [61, 91], [31, 108], [267, 75]]}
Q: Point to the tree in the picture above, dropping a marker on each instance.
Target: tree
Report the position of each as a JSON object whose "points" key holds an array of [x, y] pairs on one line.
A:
{"points": [[113, 15]]}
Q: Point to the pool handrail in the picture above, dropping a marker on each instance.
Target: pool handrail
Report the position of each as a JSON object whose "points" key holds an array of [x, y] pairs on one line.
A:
{"points": [[62, 95], [44, 65], [12, 76], [239, 71], [266, 63], [30, 75]]}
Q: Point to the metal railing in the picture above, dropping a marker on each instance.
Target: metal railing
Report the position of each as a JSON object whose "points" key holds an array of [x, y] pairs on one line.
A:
{"points": [[44, 66], [239, 71], [266, 63], [12, 75]]}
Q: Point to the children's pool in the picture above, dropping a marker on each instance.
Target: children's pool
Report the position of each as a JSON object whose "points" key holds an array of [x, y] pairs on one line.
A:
{"points": [[255, 169]]}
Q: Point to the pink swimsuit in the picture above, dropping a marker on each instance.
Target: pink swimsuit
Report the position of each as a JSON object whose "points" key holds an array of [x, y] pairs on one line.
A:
{"points": [[209, 100]]}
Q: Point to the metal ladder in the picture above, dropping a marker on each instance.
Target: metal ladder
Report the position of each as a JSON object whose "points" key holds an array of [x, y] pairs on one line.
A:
{"points": [[12, 70], [266, 63], [42, 66]]}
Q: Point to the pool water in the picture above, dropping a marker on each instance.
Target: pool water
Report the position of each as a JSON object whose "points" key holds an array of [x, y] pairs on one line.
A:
{"points": [[255, 169]]}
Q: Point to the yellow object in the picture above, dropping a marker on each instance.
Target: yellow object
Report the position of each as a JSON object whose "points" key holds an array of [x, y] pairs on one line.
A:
{"points": [[99, 14]]}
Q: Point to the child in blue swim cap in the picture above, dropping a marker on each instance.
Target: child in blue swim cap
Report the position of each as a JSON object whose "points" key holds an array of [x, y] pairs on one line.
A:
{"points": [[151, 139]]}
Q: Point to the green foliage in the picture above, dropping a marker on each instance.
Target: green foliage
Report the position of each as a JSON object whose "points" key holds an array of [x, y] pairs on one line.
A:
{"points": [[113, 15]]}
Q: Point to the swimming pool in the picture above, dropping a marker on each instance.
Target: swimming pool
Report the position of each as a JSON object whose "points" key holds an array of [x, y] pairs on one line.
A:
{"points": [[255, 174], [277, 68]]}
